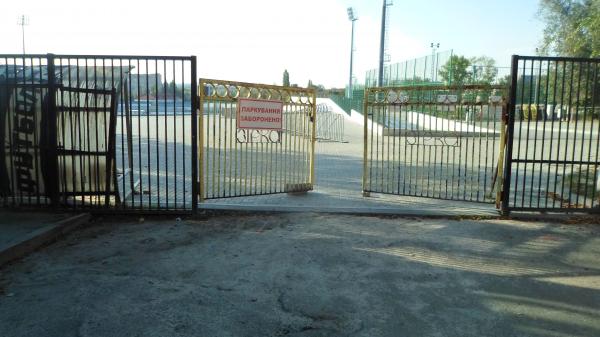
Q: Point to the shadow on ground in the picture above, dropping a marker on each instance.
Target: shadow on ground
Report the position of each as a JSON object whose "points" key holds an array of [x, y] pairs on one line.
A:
{"points": [[309, 275]]}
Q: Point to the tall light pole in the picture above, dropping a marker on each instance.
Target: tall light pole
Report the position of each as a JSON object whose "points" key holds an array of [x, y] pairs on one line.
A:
{"points": [[382, 46], [352, 18], [434, 47], [23, 21]]}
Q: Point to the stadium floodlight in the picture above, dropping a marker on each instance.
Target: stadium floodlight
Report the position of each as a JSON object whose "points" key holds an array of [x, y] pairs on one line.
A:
{"points": [[352, 18], [23, 21], [434, 47]]}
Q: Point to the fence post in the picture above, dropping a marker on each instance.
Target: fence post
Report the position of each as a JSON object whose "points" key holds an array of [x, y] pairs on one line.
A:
{"points": [[52, 172], [195, 107], [365, 145], [510, 134]]}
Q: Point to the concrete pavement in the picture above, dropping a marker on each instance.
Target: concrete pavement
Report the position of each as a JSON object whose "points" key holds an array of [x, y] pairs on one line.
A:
{"points": [[309, 275]]}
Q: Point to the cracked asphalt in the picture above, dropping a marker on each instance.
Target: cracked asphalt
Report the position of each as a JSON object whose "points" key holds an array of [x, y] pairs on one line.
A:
{"points": [[308, 275]]}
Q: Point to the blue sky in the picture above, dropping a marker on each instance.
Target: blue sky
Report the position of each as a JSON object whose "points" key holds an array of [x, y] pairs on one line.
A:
{"points": [[256, 40]]}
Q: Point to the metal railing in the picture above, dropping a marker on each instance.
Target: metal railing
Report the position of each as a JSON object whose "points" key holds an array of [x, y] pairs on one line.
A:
{"points": [[432, 141], [330, 125], [237, 161], [101, 131], [553, 140]]}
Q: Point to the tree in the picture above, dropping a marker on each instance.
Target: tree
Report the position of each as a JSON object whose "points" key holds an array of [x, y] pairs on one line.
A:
{"points": [[456, 70], [572, 27], [483, 70], [286, 78]]}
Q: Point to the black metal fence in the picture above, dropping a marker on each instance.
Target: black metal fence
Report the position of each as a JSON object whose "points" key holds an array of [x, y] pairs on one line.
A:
{"points": [[120, 133], [98, 131], [553, 135]]}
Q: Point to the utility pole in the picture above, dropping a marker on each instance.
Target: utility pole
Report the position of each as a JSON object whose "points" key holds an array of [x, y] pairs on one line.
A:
{"points": [[352, 18], [23, 21], [382, 45]]}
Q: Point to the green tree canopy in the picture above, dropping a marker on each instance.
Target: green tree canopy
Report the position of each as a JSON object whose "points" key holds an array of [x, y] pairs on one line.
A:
{"points": [[456, 70], [483, 70], [572, 27]]}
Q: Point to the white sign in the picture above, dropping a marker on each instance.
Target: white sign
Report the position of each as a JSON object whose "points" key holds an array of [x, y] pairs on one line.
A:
{"points": [[258, 114], [447, 99], [495, 99]]}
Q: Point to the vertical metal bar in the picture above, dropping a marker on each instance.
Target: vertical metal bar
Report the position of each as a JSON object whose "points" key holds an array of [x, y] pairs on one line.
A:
{"points": [[157, 126], [510, 134], [183, 130], [396, 128], [197, 97], [96, 161], [73, 118], [554, 106], [128, 92], [545, 120], [570, 103], [594, 98], [582, 150], [110, 150], [365, 189], [521, 121], [577, 98], [52, 133], [313, 138], [530, 105], [12, 142]]}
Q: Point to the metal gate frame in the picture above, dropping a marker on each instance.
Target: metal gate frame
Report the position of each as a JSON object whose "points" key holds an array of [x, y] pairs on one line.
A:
{"points": [[384, 162], [227, 171], [543, 89], [138, 82]]}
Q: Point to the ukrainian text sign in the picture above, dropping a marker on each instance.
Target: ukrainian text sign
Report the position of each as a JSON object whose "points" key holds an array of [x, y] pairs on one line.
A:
{"points": [[259, 114]]}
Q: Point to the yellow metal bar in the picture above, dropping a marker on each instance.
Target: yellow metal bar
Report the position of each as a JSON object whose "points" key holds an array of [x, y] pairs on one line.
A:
{"points": [[313, 138], [365, 139], [201, 141]]}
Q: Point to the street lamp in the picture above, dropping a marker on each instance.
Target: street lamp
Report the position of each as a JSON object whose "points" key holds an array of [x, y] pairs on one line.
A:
{"points": [[434, 47], [352, 18]]}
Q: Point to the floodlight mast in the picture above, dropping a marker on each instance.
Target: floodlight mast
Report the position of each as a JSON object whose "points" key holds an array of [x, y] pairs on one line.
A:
{"points": [[382, 45], [434, 47], [23, 21], [352, 18]]}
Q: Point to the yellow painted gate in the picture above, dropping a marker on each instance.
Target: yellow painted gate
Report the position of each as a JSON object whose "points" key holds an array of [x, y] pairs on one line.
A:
{"points": [[255, 139]]}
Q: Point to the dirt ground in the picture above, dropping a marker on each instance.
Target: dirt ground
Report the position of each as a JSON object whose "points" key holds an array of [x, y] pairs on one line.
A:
{"points": [[308, 275]]}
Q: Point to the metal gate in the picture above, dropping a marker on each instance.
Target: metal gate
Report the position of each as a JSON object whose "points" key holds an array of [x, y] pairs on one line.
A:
{"points": [[433, 141], [255, 139], [553, 135], [98, 132]]}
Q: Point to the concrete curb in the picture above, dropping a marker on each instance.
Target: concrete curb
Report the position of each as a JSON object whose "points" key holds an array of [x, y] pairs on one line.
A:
{"points": [[416, 212], [41, 237]]}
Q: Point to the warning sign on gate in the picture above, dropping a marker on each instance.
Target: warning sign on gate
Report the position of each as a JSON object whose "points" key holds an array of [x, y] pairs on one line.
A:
{"points": [[259, 114]]}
